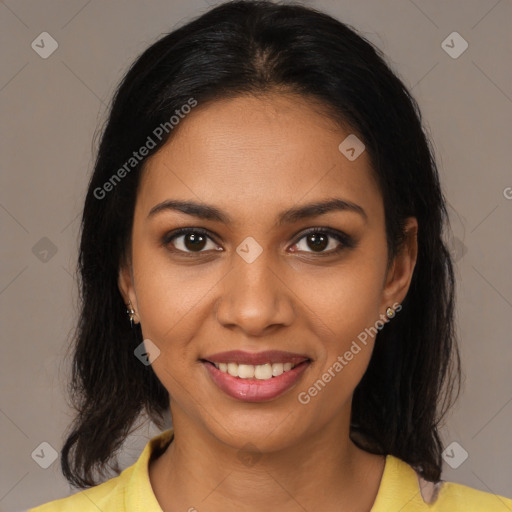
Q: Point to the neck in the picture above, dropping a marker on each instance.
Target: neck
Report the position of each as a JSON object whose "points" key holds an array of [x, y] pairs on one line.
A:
{"points": [[326, 472]]}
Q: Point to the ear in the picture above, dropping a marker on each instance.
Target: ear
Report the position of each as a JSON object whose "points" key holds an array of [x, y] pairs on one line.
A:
{"points": [[399, 275], [126, 286]]}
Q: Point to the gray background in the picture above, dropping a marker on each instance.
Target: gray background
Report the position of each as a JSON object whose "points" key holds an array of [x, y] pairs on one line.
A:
{"points": [[52, 108]]}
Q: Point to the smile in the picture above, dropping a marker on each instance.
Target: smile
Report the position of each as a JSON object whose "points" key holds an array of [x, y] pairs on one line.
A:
{"points": [[255, 377], [248, 371]]}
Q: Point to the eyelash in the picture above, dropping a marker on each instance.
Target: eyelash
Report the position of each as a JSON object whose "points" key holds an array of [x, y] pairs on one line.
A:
{"points": [[346, 241]]}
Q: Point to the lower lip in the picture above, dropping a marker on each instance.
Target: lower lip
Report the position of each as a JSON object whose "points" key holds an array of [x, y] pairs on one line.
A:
{"points": [[255, 390]]}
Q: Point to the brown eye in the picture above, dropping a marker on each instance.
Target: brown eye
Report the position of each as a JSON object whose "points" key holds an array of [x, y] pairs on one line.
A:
{"points": [[194, 242], [317, 242], [324, 241], [189, 241]]}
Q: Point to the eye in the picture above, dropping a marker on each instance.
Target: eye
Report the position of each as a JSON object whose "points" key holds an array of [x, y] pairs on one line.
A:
{"points": [[196, 240], [189, 240], [320, 239]]}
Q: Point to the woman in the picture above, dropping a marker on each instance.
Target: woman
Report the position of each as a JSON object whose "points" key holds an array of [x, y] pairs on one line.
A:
{"points": [[261, 254]]}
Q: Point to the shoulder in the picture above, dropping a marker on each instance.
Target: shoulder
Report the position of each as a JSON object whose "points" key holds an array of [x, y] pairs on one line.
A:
{"points": [[106, 496], [129, 491], [455, 497], [402, 488]]}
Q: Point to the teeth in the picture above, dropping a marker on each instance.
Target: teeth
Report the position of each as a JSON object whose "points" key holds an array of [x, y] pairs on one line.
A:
{"points": [[277, 369], [233, 369], [246, 371], [260, 371]]}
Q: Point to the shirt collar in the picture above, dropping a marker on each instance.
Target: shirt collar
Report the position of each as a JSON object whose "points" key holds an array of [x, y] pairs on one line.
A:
{"points": [[139, 493], [398, 486]]}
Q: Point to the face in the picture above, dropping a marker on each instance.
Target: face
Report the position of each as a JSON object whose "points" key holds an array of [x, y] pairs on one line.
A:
{"points": [[249, 275]]}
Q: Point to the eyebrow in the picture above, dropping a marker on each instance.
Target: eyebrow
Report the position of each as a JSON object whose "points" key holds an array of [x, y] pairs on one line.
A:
{"points": [[210, 212]]}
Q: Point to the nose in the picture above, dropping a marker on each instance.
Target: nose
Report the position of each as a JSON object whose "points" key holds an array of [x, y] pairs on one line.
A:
{"points": [[255, 298]]}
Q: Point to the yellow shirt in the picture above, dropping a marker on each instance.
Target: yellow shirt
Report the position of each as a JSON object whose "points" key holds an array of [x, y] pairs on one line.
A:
{"points": [[399, 490]]}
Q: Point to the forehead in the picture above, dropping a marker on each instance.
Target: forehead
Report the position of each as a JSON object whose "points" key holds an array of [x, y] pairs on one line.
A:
{"points": [[266, 152]]}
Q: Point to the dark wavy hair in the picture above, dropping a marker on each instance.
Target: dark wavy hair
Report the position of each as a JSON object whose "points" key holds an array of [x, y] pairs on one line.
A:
{"points": [[257, 47]]}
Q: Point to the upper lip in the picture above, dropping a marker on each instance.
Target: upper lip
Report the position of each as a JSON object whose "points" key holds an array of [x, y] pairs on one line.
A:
{"points": [[256, 358]]}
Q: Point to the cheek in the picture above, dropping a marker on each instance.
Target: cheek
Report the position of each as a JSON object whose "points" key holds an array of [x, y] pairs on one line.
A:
{"points": [[344, 310], [169, 296], [173, 303], [343, 328], [345, 301]]}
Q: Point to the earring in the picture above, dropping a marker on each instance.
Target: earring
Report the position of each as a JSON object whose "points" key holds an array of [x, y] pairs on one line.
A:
{"points": [[131, 312], [390, 312]]}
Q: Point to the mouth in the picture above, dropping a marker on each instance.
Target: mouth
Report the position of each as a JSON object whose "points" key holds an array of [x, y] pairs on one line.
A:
{"points": [[249, 371], [255, 377]]}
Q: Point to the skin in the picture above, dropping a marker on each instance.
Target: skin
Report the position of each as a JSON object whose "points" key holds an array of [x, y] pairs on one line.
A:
{"points": [[253, 157]]}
